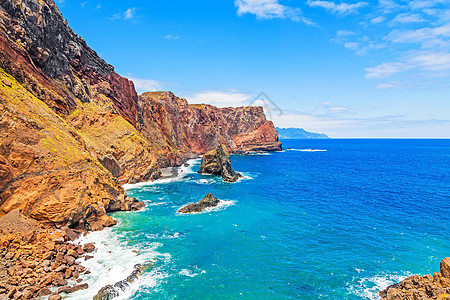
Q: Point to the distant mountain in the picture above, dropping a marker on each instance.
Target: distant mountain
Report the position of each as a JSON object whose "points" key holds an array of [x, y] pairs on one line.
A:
{"points": [[299, 133]]}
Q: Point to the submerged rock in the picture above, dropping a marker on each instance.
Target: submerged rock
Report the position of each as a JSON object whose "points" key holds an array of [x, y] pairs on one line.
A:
{"points": [[217, 162], [112, 291], [421, 287], [208, 201]]}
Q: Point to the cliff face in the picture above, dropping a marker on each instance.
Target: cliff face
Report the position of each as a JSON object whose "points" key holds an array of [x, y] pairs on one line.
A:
{"points": [[201, 127], [73, 130]]}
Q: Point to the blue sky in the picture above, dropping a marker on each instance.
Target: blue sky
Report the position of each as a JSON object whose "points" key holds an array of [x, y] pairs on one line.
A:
{"points": [[345, 68]]}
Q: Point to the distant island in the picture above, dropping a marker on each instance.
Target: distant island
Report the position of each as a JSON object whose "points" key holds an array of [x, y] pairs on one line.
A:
{"points": [[299, 133]]}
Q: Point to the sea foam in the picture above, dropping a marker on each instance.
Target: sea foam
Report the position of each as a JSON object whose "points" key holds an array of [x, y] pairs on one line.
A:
{"points": [[114, 260], [369, 287], [183, 171]]}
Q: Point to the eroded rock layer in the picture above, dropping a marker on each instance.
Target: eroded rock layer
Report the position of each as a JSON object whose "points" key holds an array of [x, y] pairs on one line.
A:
{"points": [[72, 130]]}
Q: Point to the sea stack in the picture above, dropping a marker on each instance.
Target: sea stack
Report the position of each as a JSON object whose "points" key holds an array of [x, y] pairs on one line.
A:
{"points": [[422, 287], [217, 162], [208, 201]]}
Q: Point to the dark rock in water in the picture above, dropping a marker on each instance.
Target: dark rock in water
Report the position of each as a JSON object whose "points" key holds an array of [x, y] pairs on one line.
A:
{"points": [[106, 293], [208, 201], [186, 164], [217, 162], [421, 287], [137, 205], [111, 291]]}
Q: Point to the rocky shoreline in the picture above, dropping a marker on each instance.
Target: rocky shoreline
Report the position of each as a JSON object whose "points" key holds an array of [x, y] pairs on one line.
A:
{"points": [[436, 286], [39, 260]]}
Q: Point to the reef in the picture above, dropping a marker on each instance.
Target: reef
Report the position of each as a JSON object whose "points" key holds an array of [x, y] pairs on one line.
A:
{"points": [[208, 201], [217, 162], [422, 287]]}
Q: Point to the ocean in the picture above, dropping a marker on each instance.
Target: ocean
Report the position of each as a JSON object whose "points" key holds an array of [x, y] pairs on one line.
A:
{"points": [[323, 219]]}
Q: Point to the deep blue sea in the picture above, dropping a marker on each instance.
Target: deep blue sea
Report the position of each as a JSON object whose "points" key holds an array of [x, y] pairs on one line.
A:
{"points": [[341, 223]]}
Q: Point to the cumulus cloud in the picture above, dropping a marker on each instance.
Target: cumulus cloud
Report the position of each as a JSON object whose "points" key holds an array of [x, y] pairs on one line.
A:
{"points": [[270, 9], [337, 8]]}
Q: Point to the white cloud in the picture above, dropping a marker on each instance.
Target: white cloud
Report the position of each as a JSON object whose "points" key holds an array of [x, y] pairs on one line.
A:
{"points": [[172, 37], [145, 85], [351, 45], [420, 35], [342, 33], [377, 20], [422, 61], [385, 70], [432, 61], [227, 98], [408, 18], [270, 9], [129, 13], [389, 85], [340, 9], [421, 4]]}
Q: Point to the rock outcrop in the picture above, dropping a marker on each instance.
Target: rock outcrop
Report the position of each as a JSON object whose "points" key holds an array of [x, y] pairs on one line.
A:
{"points": [[208, 201], [422, 287], [217, 162]]}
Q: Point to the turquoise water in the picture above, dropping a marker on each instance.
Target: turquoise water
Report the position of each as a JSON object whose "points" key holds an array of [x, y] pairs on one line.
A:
{"points": [[334, 224]]}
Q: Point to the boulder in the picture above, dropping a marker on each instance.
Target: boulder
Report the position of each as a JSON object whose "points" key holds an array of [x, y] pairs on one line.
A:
{"points": [[217, 162], [208, 201]]}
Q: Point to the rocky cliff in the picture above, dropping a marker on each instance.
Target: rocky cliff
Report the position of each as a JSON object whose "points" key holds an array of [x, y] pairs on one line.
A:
{"points": [[73, 130]]}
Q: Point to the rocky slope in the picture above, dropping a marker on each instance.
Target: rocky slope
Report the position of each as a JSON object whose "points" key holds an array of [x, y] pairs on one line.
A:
{"points": [[422, 287], [73, 130]]}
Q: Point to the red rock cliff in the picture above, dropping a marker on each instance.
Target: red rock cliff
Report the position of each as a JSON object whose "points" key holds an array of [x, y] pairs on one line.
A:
{"points": [[73, 130]]}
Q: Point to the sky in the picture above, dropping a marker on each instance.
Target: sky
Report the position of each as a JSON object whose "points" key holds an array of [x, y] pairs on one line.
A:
{"points": [[345, 68]]}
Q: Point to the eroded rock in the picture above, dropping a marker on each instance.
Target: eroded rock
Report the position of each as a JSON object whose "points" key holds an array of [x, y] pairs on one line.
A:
{"points": [[208, 201], [217, 162]]}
